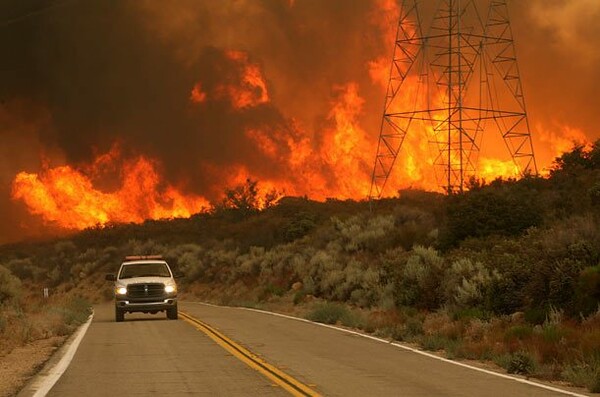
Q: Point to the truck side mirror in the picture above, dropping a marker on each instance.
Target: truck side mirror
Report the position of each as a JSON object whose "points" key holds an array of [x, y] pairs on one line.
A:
{"points": [[178, 275], [111, 277]]}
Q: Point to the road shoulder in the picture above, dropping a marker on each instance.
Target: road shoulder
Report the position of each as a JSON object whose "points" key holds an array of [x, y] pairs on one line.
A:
{"points": [[57, 363], [24, 362]]}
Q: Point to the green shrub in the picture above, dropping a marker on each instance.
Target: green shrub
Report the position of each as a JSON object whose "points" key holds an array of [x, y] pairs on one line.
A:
{"points": [[10, 286], [506, 294], [583, 374], [504, 208], [594, 385], [553, 283], [520, 362], [421, 278], [363, 232], [436, 342], [300, 226], [76, 311], [26, 331], [413, 327], [536, 315], [23, 269], [587, 291], [413, 226], [333, 313], [551, 333], [270, 290], [273, 264], [187, 257], [518, 332], [299, 296], [467, 282], [469, 313]]}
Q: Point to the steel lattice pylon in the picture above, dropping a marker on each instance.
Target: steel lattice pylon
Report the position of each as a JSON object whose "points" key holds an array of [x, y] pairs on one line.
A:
{"points": [[456, 81]]}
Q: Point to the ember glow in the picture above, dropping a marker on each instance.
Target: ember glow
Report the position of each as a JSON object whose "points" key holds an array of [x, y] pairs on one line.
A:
{"points": [[197, 95]]}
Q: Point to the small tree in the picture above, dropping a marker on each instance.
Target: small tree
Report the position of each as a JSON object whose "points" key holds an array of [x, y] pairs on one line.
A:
{"points": [[243, 198], [246, 199]]}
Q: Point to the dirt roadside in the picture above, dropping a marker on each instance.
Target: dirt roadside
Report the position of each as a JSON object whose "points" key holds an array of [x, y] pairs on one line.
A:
{"points": [[18, 366]]}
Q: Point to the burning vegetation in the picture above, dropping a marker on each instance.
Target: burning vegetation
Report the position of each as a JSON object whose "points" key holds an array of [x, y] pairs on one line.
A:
{"points": [[68, 196]]}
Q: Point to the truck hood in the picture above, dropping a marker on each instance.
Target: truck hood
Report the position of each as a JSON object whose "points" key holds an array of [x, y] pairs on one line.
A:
{"points": [[144, 280]]}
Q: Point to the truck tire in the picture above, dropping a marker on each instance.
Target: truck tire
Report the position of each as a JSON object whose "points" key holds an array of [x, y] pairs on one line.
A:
{"points": [[119, 315], [172, 313]]}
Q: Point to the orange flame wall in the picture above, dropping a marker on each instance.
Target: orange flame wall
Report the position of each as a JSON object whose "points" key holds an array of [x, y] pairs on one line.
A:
{"points": [[67, 196]]}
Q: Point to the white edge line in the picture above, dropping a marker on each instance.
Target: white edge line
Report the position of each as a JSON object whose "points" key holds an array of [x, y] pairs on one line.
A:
{"points": [[46, 381], [401, 346]]}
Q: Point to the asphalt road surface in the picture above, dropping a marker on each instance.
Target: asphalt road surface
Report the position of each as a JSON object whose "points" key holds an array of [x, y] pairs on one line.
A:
{"points": [[149, 355]]}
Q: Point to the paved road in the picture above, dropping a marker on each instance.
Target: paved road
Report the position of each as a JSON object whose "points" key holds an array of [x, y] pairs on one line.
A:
{"points": [[147, 355]]}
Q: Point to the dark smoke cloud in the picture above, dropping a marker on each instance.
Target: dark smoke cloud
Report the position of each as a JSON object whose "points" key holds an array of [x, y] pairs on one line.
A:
{"points": [[559, 56], [21, 123], [93, 72]]}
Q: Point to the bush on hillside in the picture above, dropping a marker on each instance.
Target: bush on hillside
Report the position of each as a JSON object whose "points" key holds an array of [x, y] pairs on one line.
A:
{"points": [[587, 291], [363, 232], [421, 279], [505, 208], [10, 286], [467, 283], [302, 224]]}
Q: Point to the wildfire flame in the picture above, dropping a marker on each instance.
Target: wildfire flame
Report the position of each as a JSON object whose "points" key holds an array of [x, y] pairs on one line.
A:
{"points": [[253, 88], [339, 167], [67, 196], [334, 159], [246, 89], [197, 95]]}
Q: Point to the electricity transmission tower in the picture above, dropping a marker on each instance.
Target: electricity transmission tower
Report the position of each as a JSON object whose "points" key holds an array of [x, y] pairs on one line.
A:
{"points": [[454, 78]]}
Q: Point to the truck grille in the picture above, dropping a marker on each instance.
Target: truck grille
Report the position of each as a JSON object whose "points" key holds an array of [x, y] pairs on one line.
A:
{"points": [[145, 290]]}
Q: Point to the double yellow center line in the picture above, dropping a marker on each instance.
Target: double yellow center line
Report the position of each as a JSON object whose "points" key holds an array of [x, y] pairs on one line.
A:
{"points": [[290, 384]]}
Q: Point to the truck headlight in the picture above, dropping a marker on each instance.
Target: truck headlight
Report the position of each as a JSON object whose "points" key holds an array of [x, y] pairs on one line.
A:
{"points": [[170, 289], [121, 290]]}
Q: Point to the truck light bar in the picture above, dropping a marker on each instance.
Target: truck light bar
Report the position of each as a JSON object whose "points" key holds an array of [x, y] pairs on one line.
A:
{"points": [[142, 257]]}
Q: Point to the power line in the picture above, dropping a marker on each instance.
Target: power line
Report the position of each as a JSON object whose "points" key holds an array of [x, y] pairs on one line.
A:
{"points": [[35, 13]]}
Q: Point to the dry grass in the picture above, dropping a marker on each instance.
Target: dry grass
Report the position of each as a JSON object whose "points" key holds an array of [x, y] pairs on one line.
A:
{"points": [[32, 317], [556, 350], [23, 362]]}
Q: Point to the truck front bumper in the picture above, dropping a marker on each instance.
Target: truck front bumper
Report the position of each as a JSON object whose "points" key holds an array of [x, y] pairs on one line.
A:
{"points": [[130, 306]]}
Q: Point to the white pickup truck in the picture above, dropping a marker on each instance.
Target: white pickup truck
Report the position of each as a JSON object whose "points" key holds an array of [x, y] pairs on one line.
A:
{"points": [[144, 284]]}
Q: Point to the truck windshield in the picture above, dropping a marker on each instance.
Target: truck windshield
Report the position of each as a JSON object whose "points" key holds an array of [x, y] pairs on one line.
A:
{"points": [[157, 269]]}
